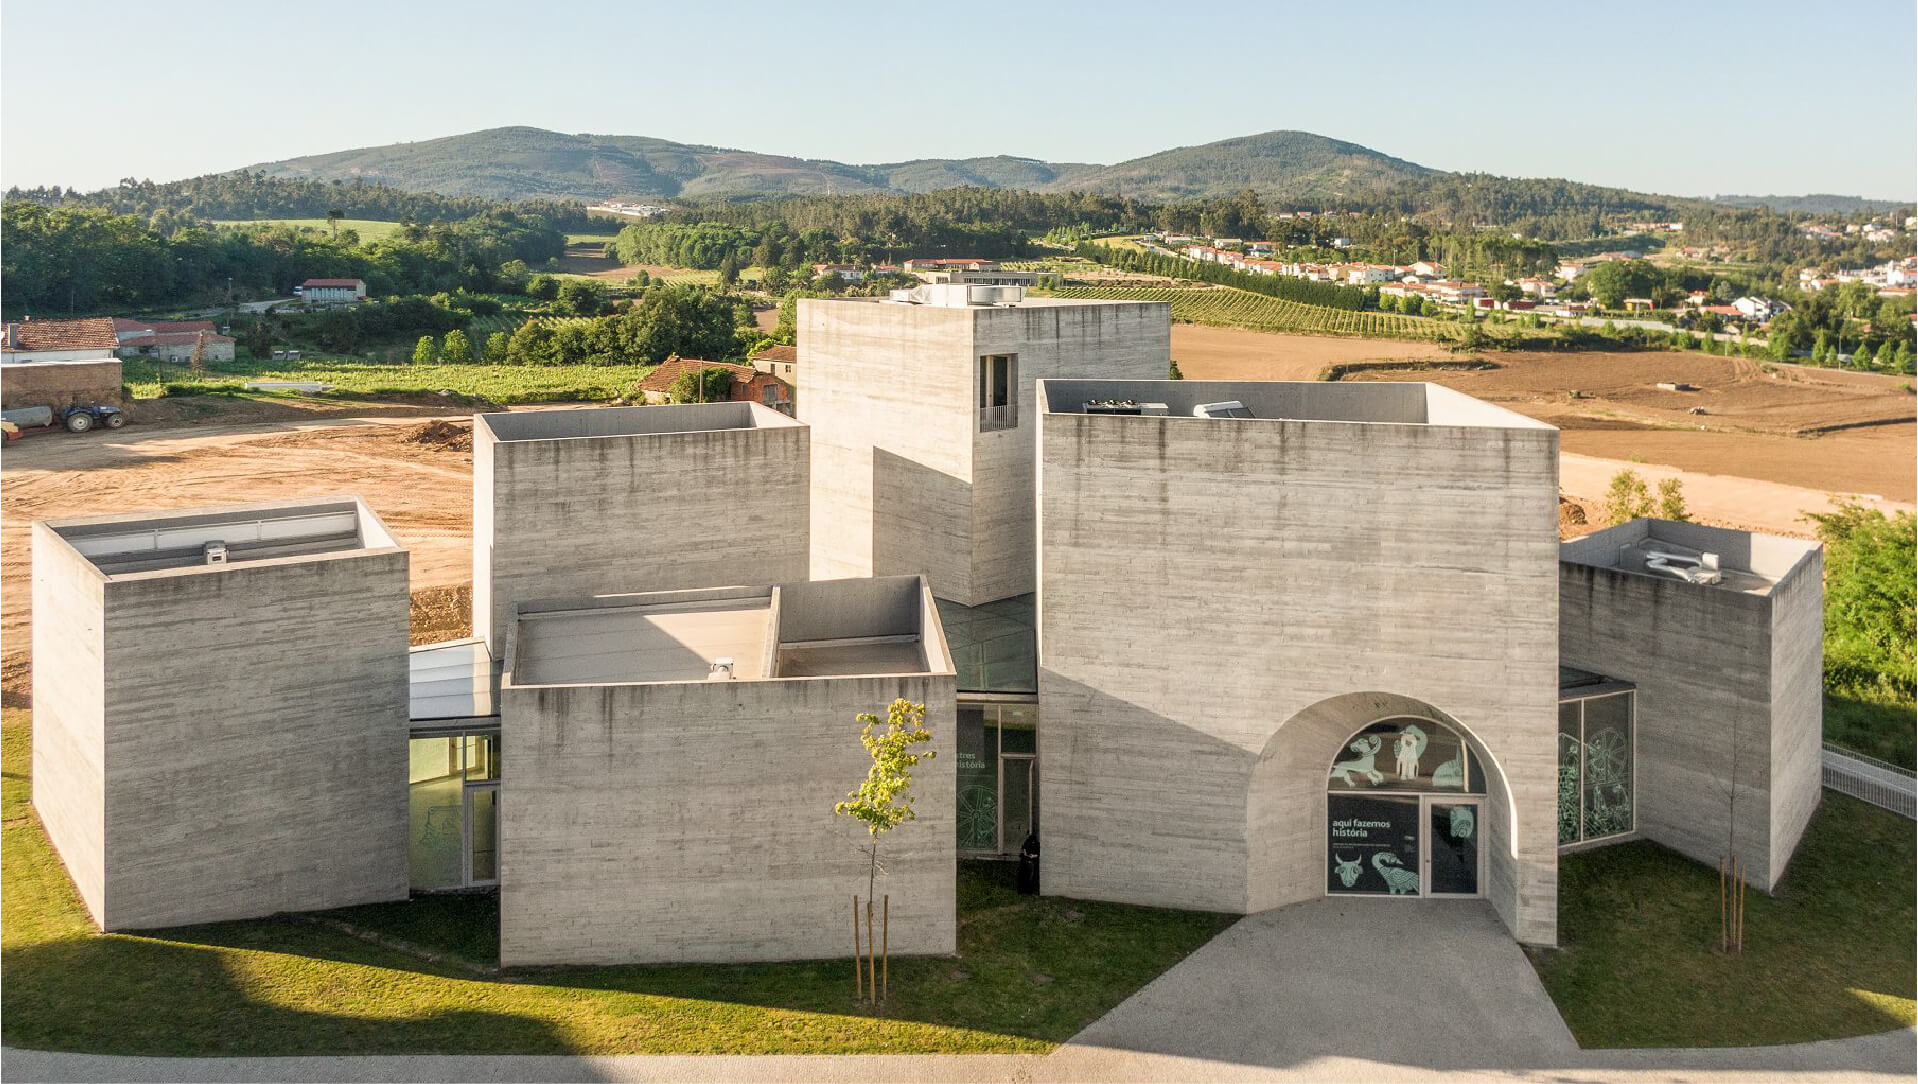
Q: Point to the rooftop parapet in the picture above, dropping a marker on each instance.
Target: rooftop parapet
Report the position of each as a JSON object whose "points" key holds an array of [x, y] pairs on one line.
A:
{"points": [[574, 423], [1276, 400], [816, 629], [204, 540], [1720, 558]]}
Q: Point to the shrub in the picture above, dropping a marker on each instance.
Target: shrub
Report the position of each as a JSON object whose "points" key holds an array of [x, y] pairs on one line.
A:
{"points": [[1871, 563]]}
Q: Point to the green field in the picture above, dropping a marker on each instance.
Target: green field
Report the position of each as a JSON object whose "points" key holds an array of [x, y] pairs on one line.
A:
{"points": [[368, 229], [1228, 307], [361, 379]]}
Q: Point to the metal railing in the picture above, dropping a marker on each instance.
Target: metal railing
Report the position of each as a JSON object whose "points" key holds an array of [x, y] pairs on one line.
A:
{"points": [[1869, 779]]}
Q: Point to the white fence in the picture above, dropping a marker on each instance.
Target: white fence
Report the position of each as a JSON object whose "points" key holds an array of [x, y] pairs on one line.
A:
{"points": [[1886, 786]]}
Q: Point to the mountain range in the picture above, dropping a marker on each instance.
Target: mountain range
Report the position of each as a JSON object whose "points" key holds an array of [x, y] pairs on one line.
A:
{"points": [[522, 162]]}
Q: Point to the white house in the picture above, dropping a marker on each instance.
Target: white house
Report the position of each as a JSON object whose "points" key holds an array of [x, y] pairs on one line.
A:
{"points": [[91, 339], [331, 291]]}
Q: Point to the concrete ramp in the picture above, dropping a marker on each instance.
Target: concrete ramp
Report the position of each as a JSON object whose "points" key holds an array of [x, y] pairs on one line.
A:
{"points": [[1435, 984]]}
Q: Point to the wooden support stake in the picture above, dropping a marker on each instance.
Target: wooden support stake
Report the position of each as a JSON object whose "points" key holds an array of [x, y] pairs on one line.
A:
{"points": [[885, 946], [872, 970], [1724, 916], [858, 979]]}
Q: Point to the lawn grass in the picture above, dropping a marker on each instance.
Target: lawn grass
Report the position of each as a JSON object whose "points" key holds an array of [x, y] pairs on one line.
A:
{"points": [[287, 986], [369, 229], [1876, 725], [1829, 955], [355, 378]]}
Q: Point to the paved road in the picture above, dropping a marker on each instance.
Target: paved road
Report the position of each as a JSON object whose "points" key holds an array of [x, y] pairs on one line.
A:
{"points": [[1341, 990]]}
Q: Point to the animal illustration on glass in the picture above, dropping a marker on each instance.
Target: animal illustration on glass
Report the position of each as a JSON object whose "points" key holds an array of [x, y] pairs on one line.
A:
{"points": [[1401, 881], [1348, 869], [1463, 823], [1608, 810], [1367, 747], [442, 822], [1411, 746], [1452, 772]]}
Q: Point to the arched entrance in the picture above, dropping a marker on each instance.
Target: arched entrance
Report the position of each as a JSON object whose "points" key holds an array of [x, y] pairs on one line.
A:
{"points": [[1405, 812]]}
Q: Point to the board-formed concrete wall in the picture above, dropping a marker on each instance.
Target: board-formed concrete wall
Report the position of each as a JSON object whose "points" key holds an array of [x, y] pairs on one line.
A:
{"points": [[1730, 710], [223, 742], [1223, 602], [620, 500], [693, 822], [903, 481]]}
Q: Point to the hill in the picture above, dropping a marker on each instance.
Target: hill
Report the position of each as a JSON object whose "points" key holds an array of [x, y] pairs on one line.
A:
{"points": [[521, 162], [1295, 165], [1817, 203]]}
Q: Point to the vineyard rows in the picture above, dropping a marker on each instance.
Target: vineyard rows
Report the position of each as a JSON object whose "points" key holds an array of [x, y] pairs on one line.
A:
{"points": [[1226, 307]]}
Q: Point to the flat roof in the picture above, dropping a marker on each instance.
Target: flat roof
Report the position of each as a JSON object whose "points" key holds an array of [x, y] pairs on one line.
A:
{"points": [[1027, 303], [1381, 403], [831, 628], [1747, 562], [141, 543], [574, 423]]}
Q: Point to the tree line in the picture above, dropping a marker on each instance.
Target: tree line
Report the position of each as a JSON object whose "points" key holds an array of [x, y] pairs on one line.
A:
{"points": [[81, 259], [1329, 294]]}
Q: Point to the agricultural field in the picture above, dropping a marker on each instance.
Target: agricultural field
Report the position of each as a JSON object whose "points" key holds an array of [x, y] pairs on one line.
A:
{"points": [[1226, 307], [358, 378], [368, 229]]}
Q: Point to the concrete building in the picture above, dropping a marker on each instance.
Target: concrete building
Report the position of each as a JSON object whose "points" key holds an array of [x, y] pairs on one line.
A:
{"points": [[672, 762], [1717, 635], [922, 416], [1297, 638], [570, 503], [219, 701]]}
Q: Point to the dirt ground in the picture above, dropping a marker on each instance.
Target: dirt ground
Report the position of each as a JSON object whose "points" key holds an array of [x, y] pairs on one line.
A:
{"points": [[1223, 353], [422, 490], [1823, 430]]}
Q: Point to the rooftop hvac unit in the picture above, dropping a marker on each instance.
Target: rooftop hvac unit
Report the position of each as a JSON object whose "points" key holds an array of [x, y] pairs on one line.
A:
{"points": [[1231, 408], [1688, 565], [214, 553], [722, 669], [1126, 406]]}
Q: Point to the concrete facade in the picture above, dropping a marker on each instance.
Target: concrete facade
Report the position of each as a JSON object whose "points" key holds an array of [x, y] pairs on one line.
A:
{"points": [[1225, 601], [578, 502], [222, 741], [1730, 722], [651, 815], [909, 475]]}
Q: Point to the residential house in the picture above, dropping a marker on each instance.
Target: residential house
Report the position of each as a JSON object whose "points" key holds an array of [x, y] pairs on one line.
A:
{"points": [[749, 384], [30, 340], [171, 340], [331, 291]]}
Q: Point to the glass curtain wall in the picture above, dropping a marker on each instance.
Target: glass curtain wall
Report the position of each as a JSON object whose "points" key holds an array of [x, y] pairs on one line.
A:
{"points": [[453, 810], [998, 801], [1596, 753]]}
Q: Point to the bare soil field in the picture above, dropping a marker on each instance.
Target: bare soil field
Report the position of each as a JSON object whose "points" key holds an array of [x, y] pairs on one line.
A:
{"points": [[1823, 430], [1223, 353], [421, 489]]}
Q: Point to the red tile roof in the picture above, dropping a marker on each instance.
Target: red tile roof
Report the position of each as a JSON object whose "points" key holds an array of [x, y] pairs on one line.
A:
{"points": [[662, 378], [177, 338], [332, 282], [778, 353], [93, 333]]}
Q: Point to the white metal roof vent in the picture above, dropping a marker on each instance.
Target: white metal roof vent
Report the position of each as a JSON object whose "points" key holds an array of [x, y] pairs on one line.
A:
{"points": [[722, 669], [214, 553], [1231, 408]]}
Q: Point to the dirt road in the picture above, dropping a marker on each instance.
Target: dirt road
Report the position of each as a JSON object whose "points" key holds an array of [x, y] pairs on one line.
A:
{"points": [[1719, 499]]}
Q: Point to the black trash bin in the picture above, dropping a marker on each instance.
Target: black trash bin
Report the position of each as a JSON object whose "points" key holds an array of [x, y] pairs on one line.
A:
{"points": [[1029, 866]]}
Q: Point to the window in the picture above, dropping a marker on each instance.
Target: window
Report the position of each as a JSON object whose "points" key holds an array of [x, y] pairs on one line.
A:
{"points": [[453, 810], [1596, 790], [998, 392]]}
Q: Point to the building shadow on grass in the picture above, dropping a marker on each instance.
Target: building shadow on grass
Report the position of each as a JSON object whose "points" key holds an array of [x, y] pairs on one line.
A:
{"points": [[140, 996]]}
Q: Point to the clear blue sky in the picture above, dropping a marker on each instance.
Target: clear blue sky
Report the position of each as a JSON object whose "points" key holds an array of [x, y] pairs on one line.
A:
{"points": [[1690, 99]]}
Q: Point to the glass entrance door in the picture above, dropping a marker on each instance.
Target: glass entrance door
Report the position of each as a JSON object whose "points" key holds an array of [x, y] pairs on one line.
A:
{"points": [[1452, 850], [482, 834], [1017, 810]]}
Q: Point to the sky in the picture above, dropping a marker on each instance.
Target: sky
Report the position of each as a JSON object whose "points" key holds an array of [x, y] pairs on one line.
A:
{"points": [[1696, 99]]}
